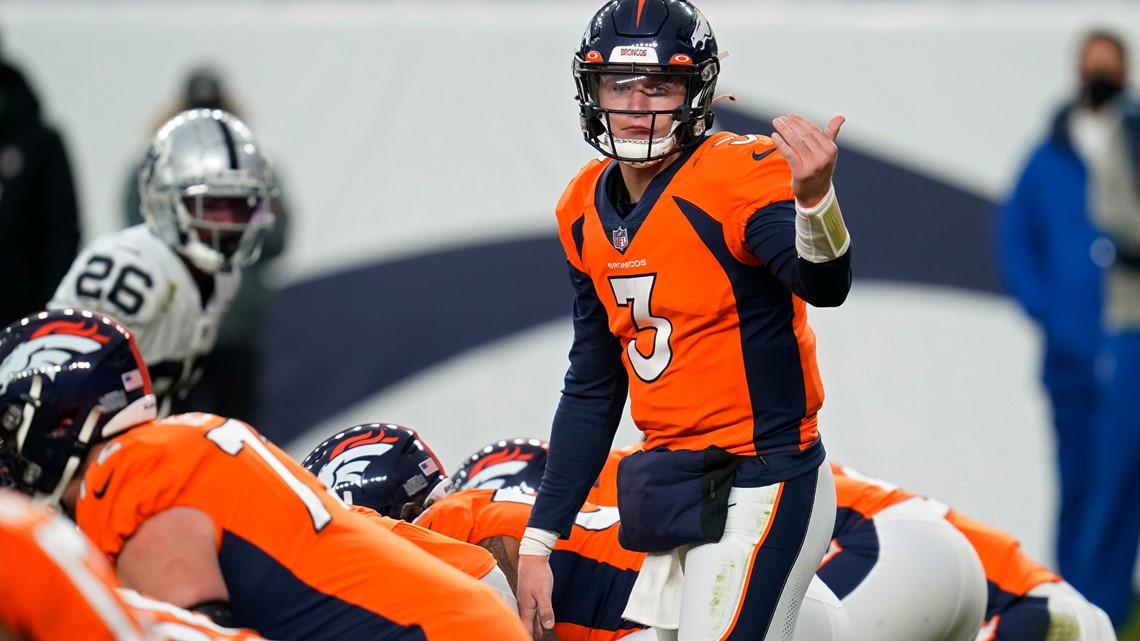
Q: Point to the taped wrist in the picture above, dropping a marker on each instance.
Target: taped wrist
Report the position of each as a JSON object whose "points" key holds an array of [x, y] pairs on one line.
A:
{"points": [[537, 542], [821, 235]]}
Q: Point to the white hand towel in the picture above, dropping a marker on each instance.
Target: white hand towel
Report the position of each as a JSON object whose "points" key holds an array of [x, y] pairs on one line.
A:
{"points": [[656, 596]]}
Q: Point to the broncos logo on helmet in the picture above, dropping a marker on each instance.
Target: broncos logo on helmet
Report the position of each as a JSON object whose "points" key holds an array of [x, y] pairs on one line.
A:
{"points": [[69, 379], [350, 459], [381, 466], [50, 347], [514, 463]]}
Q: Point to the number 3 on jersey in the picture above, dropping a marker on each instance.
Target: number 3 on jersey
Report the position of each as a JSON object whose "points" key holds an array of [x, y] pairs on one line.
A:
{"points": [[636, 292]]}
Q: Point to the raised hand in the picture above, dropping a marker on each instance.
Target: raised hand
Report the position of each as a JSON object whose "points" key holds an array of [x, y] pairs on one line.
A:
{"points": [[811, 153]]}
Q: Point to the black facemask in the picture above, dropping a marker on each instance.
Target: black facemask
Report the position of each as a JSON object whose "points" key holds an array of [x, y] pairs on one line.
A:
{"points": [[1099, 90]]}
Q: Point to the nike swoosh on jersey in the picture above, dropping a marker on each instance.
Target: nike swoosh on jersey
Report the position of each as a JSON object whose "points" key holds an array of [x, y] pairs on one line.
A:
{"points": [[756, 156], [103, 490]]}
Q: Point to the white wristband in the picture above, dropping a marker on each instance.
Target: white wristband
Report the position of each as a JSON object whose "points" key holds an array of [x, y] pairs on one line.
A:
{"points": [[821, 235], [537, 542]]}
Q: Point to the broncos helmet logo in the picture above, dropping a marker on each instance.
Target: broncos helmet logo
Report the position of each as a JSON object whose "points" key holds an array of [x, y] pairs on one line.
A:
{"points": [[349, 460], [493, 470], [51, 347]]}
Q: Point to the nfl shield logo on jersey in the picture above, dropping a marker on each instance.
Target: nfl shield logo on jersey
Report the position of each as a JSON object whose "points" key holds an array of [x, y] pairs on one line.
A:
{"points": [[621, 238]]}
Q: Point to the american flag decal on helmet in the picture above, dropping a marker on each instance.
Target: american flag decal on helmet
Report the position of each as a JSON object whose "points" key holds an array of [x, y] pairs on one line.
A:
{"points": [[132, 380]]}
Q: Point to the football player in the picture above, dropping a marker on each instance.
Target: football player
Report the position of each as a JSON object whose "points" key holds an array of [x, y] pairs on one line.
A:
{"points": [[57, 587], [1024, 601], [693, 256], [205, 192], [204, 513], [387, 473]]}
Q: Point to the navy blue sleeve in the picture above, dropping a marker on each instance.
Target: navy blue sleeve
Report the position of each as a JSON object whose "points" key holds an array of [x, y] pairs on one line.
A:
{"points": [[593, 396], [771, 235]]}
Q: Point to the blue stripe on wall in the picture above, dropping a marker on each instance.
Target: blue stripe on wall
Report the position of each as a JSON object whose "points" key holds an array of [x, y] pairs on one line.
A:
{"points": [[338, 339]]}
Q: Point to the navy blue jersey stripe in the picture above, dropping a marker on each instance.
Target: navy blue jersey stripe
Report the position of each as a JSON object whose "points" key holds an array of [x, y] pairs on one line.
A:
{"points": [[1024, 619], [269, 598], [774, 560], [767, 338], [579, 236], [859, 543], [590, 593]]}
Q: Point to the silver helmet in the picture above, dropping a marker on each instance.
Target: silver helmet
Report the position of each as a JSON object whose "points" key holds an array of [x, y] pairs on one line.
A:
{"points": [[205, 189]]}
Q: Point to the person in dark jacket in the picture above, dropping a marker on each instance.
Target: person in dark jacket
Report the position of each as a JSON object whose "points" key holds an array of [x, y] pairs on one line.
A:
{"points": [[1053, 258], [39, 217]]}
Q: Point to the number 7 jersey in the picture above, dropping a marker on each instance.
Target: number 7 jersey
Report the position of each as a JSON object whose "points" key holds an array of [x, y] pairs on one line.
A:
{"points": [[717, 349], [297, 563]]}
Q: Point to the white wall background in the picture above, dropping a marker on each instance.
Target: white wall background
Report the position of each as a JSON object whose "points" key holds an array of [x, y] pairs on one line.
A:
{"points": [[378, 111]]}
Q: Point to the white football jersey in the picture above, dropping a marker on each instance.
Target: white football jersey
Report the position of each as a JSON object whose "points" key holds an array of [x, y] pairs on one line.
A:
{"points": [[134, 277]]}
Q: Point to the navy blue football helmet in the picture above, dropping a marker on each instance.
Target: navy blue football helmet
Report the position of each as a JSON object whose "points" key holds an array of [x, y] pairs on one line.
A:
{"points": [[381, 466], [640, 38], [516, 463], [68, 379]]}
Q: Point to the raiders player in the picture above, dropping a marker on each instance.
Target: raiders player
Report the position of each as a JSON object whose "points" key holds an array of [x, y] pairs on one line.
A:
{"points": [[205, 190]]}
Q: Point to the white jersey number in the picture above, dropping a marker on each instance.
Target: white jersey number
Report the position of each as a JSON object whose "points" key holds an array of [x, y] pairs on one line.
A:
{"points": [[233, 436], [125, 292], [636, 292], [596, 520]]}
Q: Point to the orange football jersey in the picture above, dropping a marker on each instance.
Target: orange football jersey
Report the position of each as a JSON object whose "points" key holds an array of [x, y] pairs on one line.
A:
{"points": [[57, 587], [297, 563], [717, 350], [468, 559], [593, 574]]}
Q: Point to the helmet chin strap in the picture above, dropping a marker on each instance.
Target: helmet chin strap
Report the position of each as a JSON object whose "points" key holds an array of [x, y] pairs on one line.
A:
{"points": [[76, 459]]}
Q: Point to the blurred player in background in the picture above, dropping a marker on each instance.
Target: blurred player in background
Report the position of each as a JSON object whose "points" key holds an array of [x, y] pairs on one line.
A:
{"points": [[693, 257], [231, 371], [202, 512], [205, 190]]}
